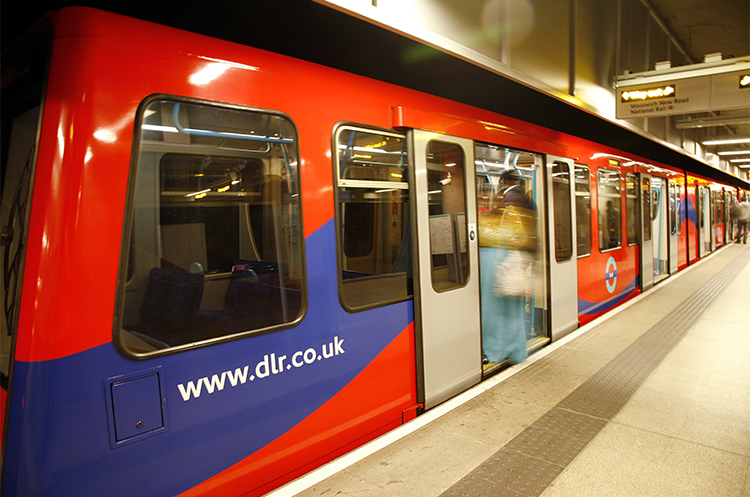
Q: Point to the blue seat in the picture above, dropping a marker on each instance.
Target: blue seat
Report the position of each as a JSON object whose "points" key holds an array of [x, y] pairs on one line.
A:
{"points": [[170, 306], [254, 299]]}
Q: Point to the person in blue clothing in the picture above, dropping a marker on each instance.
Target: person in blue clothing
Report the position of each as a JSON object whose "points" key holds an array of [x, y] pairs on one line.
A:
{"points": [[506, 246]]}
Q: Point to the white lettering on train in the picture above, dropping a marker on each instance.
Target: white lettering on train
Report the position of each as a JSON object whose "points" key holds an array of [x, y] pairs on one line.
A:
{"points": [[270, 365]]}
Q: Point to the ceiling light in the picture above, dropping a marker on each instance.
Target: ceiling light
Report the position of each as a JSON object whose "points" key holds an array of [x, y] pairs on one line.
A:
{"points": [[707, 122], [734, 152], [727, 141]]}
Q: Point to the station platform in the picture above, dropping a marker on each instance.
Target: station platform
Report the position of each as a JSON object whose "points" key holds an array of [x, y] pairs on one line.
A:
{"points": [[652, 399]]}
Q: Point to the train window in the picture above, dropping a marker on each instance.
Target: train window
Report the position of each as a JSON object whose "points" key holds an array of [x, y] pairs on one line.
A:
{"points": [[712, 208], [718, 207], [374, 236], [646, 208], [609, 201], [675, 214], [631, 211], [728, 209], [678, 209], [563, 216], [215, 245], [447, 207], [583, 209], [358, 233]]}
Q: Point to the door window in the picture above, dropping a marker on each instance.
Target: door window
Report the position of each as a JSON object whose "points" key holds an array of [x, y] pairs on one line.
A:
{"points": [[646, 208], [562, 213], [675, 212], [631, 202], [583, 209], [660, 226], [447, 211]]}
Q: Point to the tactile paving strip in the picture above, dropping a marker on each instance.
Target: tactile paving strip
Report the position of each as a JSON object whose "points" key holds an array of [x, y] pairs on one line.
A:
{"points": [[518, 472], [530, 462], [547, 445]]}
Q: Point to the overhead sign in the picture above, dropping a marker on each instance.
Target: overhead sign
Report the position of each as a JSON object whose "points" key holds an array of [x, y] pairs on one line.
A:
{"points": [[649, 93], [670, 98], [685, 90]]}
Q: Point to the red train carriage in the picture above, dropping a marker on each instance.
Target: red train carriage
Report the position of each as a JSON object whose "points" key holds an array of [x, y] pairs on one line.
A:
{"points": [[710, 215], [224, 267]]}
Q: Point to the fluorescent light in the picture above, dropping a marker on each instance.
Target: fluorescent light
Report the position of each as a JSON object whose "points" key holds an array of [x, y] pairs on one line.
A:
{"points": [[739, 160], [195, 194], [734, 152], [157, 127], [727, 141], [707, 122]]}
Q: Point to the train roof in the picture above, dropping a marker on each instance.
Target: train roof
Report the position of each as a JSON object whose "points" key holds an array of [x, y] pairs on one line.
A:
{"points": [[313, 32]]}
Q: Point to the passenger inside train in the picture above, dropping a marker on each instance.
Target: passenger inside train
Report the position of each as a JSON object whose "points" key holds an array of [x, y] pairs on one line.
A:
{"points": [[508, 253]]}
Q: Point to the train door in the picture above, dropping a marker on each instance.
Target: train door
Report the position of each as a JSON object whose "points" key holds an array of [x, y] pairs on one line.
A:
{"points": [[728, 218], [659, 228], [719, 220], [647, 244], [712, 216], [704, 221], [510, 201], [675, 225], [563, 258], [446, 283]]}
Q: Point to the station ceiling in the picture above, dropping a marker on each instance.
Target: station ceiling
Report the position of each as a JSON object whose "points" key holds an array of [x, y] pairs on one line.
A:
{"points": [[702, 27], [708, 27]]}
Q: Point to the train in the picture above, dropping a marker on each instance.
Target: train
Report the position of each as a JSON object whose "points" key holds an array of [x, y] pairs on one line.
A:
{"points": [[224, 267]]}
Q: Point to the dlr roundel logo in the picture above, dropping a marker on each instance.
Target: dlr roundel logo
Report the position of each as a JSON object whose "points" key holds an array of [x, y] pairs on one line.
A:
{"points": [[610, 276]]}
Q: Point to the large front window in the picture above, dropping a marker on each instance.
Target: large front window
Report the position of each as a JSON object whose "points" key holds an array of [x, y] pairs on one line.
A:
{"points": [[214, 244]]}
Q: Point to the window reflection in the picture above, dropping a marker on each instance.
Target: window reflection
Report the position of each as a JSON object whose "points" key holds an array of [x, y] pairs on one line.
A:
{"points": [[215, 243], [610, 200], [447, 209], [373, 217]]}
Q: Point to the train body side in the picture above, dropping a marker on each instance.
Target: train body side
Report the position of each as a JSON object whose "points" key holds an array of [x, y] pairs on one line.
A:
{"points": [[244, 415], [64, 351]]}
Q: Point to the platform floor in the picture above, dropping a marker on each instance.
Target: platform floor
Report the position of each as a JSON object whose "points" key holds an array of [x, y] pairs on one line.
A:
{"points": [[652, 400]]}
